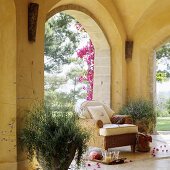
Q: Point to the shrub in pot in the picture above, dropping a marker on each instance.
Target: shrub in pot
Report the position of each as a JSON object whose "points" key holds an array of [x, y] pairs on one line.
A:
{"points": [[143, 114], [54, 137]]}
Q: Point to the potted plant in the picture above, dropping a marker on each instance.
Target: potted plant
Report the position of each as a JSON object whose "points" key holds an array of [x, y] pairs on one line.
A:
{"points": [[53, 137], [143, 114]]}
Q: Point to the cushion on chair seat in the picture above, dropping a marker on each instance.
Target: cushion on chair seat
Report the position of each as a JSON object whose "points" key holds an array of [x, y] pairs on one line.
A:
{"points": [[115, 129]]}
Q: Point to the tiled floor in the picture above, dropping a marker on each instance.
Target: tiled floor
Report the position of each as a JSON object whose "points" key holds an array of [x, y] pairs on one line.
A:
{"points": [[139, 160]]}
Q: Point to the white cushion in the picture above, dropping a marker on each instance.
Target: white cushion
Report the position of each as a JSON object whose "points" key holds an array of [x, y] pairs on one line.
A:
{"points": [[109, 111], [84, 113], [117, 129], [99, 113]]}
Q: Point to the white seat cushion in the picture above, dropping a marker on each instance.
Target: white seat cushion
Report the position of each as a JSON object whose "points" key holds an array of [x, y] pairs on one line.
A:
{"points": [[117, 129]]}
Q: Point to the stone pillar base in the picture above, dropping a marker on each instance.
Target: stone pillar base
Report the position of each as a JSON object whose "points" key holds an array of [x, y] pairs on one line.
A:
{"points": [[8, 166], [22, 165]]}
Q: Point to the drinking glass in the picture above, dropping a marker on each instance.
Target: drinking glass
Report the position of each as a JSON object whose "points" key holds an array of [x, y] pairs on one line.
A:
{"points": [[107, 156], [116, 154]]}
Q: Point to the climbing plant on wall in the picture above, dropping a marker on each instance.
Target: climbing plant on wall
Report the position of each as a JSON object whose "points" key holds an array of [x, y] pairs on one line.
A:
{"points": [[87, 54]]}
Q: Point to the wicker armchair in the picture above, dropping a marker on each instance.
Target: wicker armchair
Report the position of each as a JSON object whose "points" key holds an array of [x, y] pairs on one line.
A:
{"points": [[107, 135]]}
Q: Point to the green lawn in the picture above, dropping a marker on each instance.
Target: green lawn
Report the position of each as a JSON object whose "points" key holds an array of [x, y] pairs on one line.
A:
{"points": [[163, 123]]}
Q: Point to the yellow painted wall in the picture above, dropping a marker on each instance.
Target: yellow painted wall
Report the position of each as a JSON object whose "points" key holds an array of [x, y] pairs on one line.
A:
{"points": [[8, 154], [29, 68], [145, 22], [150, 31]]}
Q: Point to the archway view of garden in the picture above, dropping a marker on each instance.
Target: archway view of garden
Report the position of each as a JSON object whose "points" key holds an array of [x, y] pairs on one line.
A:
{"points": [[70, 54], [163, 87], [69, 62]]}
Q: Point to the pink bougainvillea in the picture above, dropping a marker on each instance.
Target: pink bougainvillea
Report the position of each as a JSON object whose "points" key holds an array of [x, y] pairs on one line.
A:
{"points": [[87, 54]]}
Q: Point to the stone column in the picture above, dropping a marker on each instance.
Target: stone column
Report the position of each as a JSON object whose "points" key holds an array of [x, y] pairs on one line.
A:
{"points": [[29, 69], [8, 86]]}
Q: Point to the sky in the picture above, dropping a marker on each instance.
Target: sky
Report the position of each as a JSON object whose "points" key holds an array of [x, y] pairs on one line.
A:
{"points": [[163, 87]]}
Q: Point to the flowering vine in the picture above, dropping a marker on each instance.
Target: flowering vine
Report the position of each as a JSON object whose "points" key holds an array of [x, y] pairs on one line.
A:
{"points": [[87, 54]]}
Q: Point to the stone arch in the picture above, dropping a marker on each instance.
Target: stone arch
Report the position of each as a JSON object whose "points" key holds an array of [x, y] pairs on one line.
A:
{"points": [[160, 37], [8, 85], [114, 47], [163, 38], [102, 68]]}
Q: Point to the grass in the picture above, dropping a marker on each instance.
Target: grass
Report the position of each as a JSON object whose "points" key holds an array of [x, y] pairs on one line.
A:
{"points": [[163, 124]]}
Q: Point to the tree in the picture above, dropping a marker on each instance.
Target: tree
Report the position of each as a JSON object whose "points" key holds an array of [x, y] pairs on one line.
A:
{"points": [[168, 106], [56, 87], [163, 51], [163, 58], [60, 41], [162, 76]]}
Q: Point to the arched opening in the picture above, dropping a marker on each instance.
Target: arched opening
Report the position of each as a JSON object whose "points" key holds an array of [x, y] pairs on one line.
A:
{"points": [[69, 61], [8, 156], [162, 87], [102, 72], [158, 80], [102, 59]]}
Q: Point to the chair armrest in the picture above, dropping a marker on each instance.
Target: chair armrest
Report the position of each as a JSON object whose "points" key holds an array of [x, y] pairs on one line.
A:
{"points": [[121, 119], [99, 124]]}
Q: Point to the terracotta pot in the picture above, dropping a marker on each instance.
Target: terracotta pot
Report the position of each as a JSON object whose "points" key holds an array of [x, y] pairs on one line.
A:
{"points": [[143, 142], [142, 126]]}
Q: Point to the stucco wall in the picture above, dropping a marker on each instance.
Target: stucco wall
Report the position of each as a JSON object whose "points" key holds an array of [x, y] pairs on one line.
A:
{"points": [[29, 68], [150, 31], [8, 154], [145, 22]]}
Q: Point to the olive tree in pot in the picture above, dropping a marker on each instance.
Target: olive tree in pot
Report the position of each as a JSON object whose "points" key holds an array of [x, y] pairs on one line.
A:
{"points": [[143, 114], [53, 137]]}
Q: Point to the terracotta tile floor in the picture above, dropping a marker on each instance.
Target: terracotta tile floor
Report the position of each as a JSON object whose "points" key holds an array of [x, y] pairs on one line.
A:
{"points": [[141, 161]]}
